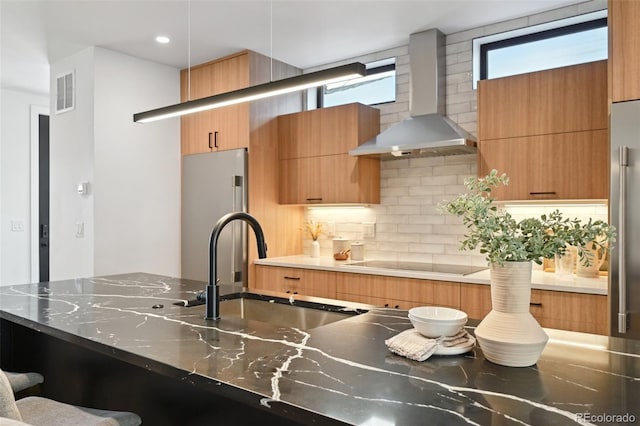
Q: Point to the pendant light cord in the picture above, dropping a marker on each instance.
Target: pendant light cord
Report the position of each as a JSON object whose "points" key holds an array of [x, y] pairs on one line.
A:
{"points": [[189, 50], [271, 40]]}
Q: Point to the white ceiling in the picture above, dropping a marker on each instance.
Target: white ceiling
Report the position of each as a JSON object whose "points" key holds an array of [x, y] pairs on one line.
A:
{"points": [[304, 33]]}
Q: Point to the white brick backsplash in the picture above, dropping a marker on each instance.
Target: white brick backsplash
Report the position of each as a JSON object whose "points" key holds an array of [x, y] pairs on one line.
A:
{"points": [[415, 229], [415, 171], [409, 226], [426, 190], [402, 181], [439, 180], [427, 219], [386, 191], [415, 200], [501, 27], [426, 248]]}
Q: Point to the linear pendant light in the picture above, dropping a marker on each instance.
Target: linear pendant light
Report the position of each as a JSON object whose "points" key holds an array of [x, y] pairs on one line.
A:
{"points": [[261, 91]]}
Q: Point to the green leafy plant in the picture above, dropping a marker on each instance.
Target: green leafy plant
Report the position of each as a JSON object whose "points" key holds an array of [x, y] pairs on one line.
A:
{"points": [[503, 239]]}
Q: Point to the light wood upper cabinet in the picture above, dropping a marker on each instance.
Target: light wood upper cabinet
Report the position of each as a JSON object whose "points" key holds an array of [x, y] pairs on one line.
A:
{"points": [[624, 50], [559, 166], [548, 131], [315, 167], [220, 128], [567, 99]]}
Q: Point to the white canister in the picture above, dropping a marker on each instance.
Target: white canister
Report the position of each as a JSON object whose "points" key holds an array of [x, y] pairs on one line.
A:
{"points": [[357, 250], [340, 244]]}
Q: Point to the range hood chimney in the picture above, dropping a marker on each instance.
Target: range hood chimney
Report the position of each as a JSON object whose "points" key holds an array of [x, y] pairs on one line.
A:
{"points": [[427, 132]]}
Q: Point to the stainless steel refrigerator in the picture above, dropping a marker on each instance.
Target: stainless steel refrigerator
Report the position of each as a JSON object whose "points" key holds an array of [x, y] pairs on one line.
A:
{"points": [[214, 184], [624, 214]]}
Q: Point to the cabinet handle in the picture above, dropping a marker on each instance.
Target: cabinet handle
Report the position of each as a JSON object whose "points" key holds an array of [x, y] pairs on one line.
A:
{"points": [[538, 304], [215, 139], [292, 278], [210, 134], [314, 200], [386, 305], [397, 306], [543, 193], [623, 165]]}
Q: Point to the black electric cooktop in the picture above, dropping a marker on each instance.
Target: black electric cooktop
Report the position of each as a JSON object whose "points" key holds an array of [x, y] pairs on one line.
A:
{"points": [[420, 266]]}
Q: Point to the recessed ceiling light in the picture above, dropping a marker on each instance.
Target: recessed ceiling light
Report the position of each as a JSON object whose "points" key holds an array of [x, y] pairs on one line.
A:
{"points": [[163, 39]]}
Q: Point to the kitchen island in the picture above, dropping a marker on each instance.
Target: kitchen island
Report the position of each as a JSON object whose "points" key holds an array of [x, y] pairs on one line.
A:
{"points": [[124, 343]]}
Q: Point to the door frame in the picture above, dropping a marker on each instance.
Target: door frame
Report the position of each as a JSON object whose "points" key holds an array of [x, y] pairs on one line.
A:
{"points": [[34, 238]]}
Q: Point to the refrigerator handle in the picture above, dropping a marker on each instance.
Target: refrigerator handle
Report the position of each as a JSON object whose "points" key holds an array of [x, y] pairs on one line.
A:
{"points": [[238, 186], [623, 163]]}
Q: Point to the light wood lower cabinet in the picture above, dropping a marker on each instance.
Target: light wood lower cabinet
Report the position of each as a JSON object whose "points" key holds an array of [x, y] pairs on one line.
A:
{"points": [[403, 293], [306, 282], [585, 313]]}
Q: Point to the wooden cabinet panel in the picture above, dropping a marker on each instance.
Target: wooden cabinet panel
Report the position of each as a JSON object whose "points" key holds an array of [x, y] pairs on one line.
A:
{"points": [[392, 290], [624, 45], [220, 128], [296, 281], [585, 313], [327, 131], [330, 179], [567, 99], [377, 301], [475, 300], [315, 167], [558, 166]]}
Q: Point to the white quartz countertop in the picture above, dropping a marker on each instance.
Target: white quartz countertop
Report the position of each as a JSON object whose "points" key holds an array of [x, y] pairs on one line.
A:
{"points": [[539, 279]]}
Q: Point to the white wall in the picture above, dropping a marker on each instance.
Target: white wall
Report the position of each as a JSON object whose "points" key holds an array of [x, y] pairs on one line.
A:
{"points": [[15, 248], [71, 161], [131, 214], [137, 167]]}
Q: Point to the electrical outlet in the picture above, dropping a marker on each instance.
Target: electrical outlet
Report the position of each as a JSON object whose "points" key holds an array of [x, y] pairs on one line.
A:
{"points": [[17, 226], [368, 229], [331, 229]]}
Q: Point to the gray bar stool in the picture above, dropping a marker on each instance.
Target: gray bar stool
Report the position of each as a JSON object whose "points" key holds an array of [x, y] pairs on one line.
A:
{"points": [[22, 381], [37, 411]]}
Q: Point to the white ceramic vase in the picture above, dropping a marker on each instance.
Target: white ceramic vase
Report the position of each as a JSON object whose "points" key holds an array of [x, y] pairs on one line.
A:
{"points": [[315, 248], [509, 335]]}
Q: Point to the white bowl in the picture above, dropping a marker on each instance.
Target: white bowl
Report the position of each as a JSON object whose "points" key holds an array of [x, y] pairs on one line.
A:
{"points": [[436, 321]]}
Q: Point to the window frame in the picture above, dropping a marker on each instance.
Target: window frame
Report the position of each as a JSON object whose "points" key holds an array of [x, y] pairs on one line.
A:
{"points": [[370, 71], [479, 42]]}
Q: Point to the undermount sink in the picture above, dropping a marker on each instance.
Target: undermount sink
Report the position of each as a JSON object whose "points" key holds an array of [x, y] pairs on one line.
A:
{"points": [[280, 311]]}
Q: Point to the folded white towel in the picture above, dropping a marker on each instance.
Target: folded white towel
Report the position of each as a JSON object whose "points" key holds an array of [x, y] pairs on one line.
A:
{"points": [[413, 345]]}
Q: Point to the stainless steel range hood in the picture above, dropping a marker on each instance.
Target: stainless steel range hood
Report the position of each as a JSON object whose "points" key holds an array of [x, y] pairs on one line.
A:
{"points": [[427, 132]]}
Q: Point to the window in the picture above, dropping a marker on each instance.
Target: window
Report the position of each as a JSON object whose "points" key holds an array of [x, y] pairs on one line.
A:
{"points": [[377, 87], [557, 44]]}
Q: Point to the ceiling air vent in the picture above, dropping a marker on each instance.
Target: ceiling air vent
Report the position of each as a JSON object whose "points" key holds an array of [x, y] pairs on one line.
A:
{"points": [[65, 91]]}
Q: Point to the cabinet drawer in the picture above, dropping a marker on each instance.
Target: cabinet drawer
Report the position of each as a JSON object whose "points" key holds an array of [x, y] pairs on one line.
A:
{"points": [[296, 281], [376, 301], [414, 291]]}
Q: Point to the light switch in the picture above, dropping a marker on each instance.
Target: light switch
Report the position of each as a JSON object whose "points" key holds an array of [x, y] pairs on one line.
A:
{"points": [[17, 226], [79, 229]]}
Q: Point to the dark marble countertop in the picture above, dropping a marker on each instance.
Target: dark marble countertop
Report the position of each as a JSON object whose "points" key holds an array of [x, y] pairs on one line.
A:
{"points": [[341, 371]]}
